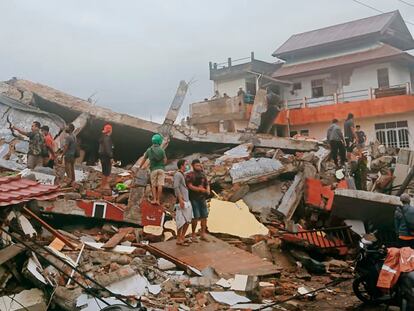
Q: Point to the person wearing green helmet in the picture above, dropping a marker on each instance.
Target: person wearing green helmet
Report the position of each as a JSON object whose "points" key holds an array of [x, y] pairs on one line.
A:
{"points": [[157, 158]]}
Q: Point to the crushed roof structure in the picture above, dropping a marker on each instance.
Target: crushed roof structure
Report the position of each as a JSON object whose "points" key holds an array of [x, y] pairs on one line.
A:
{"points": [[388, 28], [15, 190]]}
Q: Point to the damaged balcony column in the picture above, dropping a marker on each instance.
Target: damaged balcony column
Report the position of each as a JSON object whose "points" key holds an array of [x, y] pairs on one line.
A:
{"points": [[133, 212]]}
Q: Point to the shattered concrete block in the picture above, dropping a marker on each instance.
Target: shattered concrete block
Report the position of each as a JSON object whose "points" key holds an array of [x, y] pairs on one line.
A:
{"points": [[32, 300], [164, 264], [108, 278]]}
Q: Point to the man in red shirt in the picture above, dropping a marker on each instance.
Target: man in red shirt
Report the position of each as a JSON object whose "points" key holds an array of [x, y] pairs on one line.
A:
{"points": [[49, 160]]}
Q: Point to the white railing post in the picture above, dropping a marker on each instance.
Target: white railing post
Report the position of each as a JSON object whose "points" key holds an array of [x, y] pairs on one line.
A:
{"points": [[286, 104], [335, 96], [370, 93], [304, 102], [407, 88]]}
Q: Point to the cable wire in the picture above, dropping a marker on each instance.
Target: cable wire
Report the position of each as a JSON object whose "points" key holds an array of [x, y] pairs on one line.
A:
{"points": [[378, 10], [406, 2]]}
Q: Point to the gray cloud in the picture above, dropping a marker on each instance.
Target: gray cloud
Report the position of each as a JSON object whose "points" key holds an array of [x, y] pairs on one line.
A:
{"points": [[133, 53]]}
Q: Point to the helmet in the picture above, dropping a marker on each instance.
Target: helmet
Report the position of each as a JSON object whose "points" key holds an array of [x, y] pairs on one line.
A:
{"points": [[405, 198], [157, 139]]}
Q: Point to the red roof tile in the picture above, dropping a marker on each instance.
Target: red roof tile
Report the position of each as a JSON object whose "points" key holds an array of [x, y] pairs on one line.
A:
{"points": [[15, 190]]}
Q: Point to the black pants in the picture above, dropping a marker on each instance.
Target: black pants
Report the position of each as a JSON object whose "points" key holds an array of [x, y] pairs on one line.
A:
{"points": [[106, 165], [337, 147], [349, 145]]}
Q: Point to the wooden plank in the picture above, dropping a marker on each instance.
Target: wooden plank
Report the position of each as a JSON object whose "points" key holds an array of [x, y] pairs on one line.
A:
{"points": [[49, 228], [10, 252], [216, 254], [117, 237]]}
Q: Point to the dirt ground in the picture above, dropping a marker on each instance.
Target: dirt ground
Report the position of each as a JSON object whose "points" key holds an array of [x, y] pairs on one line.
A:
{"points": [[336, 298]]}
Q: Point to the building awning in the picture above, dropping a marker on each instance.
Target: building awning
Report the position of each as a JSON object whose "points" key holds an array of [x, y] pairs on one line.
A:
{"points": [[360, 109], [382, 52]]}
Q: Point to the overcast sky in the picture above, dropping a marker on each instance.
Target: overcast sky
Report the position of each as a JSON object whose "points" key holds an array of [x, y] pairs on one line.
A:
{"points": [[133, 53]]}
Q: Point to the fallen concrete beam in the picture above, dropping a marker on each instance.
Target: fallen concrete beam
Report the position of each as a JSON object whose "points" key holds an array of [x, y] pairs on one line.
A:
{"points": [[258, 170], [79, 123], [259, 107], [373, 207], [259, 140], [292, 197]]}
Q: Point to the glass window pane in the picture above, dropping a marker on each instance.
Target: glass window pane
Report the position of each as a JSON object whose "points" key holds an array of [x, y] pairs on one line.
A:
{"points": [[379, 126]]}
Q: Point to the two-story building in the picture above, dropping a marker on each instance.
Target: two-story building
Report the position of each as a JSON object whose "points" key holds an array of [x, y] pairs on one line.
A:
{"points": [[359, 67]]}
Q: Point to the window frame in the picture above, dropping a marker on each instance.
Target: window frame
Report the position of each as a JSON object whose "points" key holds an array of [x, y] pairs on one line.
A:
{"points": [[393, 134], [317, 88], [383, 78]]}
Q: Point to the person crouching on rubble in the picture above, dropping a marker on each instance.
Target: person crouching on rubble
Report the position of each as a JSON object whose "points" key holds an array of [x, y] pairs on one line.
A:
{"points": [[36, 145], [336, 142], [106, 155], [156, 155], [183, 209], [404, 222], [49, 160], [199, 190]]}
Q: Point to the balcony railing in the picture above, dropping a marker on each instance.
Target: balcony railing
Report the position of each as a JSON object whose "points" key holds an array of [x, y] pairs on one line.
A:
{"points": [[350, 96]]}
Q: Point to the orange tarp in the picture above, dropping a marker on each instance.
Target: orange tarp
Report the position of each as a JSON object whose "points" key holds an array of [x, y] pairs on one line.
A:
{"points": [[360, 109]]}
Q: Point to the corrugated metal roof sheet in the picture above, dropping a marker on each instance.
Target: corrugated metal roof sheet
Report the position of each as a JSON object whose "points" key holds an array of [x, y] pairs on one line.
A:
{"points": [[361, 109], [383, 51], [15, 190], [353, 29]]}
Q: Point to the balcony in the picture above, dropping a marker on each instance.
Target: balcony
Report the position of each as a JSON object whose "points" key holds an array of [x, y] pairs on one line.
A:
{"points": [[350, 96]]}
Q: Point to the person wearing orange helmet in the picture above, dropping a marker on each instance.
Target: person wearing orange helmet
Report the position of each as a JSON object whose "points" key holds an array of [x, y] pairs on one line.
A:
{"points": [[106, 155]]}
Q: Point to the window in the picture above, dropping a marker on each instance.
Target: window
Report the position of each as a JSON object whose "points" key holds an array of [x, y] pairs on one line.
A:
{"points": [[293, 133], [317, 88], [383, 79], [393, 134], [99, 210], [297, 86], [304, 132]]}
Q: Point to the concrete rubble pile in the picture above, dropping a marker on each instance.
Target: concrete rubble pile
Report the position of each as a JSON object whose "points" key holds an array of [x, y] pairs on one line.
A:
{"points": [[281, 223]]}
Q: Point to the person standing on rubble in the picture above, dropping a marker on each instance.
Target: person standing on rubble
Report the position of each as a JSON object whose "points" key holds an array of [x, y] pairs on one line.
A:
{"points": [[36, 145], [157, 158], [349, 131], [106, 155], [69, 154], [183, 210], [199, 191], [336, 142], [361, 138], [49, 160], [404, 222]]}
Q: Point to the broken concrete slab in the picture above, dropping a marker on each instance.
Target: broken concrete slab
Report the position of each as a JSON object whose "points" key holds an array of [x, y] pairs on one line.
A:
{"points": [[258, 170], [10, 252], [263, 200], [234, 218], [33, 300], [376, 208], [292, 197], [229, 298]]}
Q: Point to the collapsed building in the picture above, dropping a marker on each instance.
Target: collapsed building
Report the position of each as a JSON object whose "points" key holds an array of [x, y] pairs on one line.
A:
{"points": [[279, 208]]}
